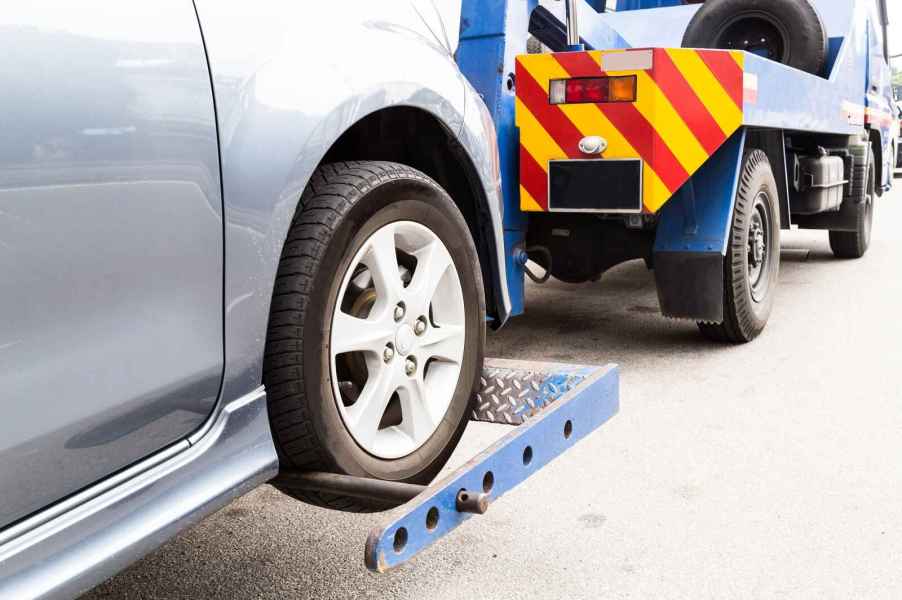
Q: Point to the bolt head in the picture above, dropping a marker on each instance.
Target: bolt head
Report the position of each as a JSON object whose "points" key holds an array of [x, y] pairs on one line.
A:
{"points": [[420, 327], [399, 312], [410, 368], [388, 354]]}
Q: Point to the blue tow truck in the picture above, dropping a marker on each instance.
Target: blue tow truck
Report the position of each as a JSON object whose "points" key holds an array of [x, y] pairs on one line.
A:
{"points": [[783, 135]]}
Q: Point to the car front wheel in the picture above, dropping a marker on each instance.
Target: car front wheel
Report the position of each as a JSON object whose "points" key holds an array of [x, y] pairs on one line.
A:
{"points": [[376, 330]]}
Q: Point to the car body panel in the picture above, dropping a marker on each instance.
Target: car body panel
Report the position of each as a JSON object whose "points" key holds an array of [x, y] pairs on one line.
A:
{"points": [[286, 89], [103, 530], [111, 245], [282, 96]]}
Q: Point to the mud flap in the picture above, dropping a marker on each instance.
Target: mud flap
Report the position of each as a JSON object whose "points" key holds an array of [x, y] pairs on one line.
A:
{"points": [[691, 240]]}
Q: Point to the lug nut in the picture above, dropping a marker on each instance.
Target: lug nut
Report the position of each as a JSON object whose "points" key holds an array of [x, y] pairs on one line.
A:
{"points": [[388, 354], [400, 311], [420, 327], [411, 367]]}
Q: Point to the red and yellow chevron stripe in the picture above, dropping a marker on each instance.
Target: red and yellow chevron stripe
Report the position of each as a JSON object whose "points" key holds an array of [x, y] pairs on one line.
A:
{"points": [[688, 103]]}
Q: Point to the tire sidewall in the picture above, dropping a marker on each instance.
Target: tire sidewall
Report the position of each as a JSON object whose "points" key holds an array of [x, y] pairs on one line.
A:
{"points": [[398, 200], [761, 180]]}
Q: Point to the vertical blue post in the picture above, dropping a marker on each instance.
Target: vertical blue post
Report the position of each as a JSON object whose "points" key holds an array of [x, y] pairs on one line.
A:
{"points": [[492, 34]]}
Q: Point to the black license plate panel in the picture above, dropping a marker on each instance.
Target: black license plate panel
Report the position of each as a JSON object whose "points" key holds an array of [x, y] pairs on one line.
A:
{"points": [[595, 185]]}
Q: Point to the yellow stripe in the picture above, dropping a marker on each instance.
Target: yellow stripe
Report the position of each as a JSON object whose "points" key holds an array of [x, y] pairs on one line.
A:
{"points": [[534, 137], [654, 194], [739, 57], [527, 202], [708, 88], [544, 68], [655, 107]]}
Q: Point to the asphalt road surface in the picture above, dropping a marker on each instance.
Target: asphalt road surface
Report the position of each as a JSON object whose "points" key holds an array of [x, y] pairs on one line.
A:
{"points": [[771, 470]]}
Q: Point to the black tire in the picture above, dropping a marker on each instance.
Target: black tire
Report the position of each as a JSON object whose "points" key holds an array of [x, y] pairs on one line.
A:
{"points": [[752, 264], [787, 31], [855, 244], [344, 203]]}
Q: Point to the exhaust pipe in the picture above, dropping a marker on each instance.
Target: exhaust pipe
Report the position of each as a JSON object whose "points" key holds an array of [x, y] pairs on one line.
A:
{"points": [[573, 41]]}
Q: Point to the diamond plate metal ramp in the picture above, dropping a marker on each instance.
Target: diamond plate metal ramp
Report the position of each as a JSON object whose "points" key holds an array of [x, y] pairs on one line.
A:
{"points": [[512, 391]]}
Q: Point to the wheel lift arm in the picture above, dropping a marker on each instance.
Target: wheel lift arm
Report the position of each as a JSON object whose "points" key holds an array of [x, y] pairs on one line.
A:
{"points": [[577, 401], [552, 407]]}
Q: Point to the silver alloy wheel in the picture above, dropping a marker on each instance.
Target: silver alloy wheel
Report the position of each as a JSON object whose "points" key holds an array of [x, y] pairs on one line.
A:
{"points": [[397, 339]]}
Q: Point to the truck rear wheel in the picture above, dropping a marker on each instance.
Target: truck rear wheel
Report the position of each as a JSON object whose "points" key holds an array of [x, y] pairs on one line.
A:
{"points": [[787, 31], [376, 331], [855, 244], [752, 263]]}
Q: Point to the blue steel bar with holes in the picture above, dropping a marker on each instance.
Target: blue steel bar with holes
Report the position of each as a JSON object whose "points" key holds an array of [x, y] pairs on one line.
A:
{"points": [[578, 411]]}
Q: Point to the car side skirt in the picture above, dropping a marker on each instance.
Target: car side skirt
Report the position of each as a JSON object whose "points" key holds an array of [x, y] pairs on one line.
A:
{"points": [[77, 544]]}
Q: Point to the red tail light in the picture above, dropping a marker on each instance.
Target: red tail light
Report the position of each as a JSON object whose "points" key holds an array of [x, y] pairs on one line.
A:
{"points": [[593, 90]]}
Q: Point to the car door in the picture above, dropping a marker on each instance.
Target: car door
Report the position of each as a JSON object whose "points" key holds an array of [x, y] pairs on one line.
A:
{"points": [[111, 243]]}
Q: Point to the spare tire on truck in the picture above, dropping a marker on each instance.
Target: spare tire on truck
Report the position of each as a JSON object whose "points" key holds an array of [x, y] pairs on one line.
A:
{"points": [[787, 31]]}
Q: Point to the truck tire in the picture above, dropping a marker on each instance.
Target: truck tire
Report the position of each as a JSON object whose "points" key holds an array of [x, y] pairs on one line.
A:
{"points": [[787, 31], [376, 331], [752, 263], [855, 244]]}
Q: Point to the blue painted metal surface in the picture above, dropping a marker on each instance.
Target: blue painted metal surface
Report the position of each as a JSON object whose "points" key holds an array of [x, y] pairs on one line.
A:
{"points": [[586, 407], [492, 34], [623, 5], [698, 217]]}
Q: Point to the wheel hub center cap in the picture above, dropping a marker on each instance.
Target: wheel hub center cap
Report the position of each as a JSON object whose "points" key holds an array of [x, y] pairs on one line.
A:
{"points": [[757, 246], [404, 339]]}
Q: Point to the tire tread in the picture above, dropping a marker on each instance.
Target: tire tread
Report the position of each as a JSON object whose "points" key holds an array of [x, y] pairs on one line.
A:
{"points": [[331, 193]]}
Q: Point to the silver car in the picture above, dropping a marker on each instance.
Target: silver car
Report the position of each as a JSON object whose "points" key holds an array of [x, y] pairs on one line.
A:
{"points": [[236, 238]]}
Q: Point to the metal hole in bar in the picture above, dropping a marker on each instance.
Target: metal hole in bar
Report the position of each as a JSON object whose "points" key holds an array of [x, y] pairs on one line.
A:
{"points": [[432, 518], [488, 482], [400, 540], [568, 429], [527, 455]]}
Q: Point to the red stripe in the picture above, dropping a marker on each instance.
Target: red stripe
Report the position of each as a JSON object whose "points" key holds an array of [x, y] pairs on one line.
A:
{"points": [[631, 124], [687, 103], [551, 117], [726, 70], [533, 178]]}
